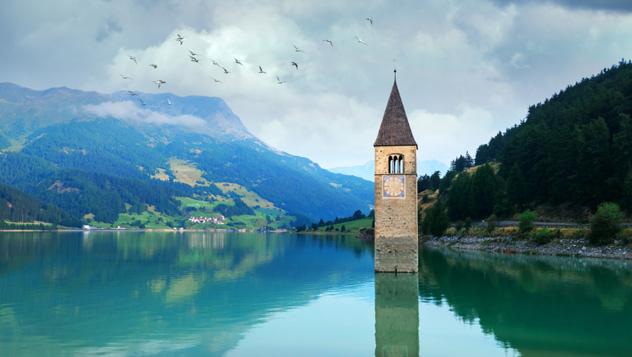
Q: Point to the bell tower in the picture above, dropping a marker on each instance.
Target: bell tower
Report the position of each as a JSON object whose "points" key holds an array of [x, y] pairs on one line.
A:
{"points": [[396, 240]]}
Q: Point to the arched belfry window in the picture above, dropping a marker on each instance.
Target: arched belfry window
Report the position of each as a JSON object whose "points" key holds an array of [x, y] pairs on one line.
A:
{"points": [[396, 164]]}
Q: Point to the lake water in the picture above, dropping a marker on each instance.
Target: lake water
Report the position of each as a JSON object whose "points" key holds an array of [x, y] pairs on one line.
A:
{"points": [[108, 293]]}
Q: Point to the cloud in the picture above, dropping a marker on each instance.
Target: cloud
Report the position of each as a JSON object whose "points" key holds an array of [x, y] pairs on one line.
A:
{"points": [[129, 111], [329, 109], [606, 5], [109, 28], [465, 69], [451, 133], [326, 126]]}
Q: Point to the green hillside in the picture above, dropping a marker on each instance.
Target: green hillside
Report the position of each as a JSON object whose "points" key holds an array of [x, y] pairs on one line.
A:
{"points": [[19, 210], [352, 224], [81, 152], [572, 152]]}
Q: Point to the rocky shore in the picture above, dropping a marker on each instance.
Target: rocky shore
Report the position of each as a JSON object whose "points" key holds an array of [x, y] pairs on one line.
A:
{"points": [[510, 245]]}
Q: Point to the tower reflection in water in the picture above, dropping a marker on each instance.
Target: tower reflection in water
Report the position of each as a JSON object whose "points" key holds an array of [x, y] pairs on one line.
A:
{"points": [[396, 314]]}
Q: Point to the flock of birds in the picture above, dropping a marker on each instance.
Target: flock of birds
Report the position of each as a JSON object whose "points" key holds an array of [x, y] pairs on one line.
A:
{"points": [[195, 58]]}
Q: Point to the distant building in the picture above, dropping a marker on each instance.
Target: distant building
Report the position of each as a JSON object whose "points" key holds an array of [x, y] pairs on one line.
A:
{"points": [[214, 220], [396, 239]]}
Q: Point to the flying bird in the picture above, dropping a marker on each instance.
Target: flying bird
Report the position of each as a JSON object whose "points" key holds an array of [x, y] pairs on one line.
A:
{"points": [[238, 62], [141, 102], [125, 77], [329, 42], [295, 65], [296, 49], [132, 58], [215, 63], [360, 40], [193, 53], [216, 80], [225, 70], [160, 82], [370, 20], [194, 59], [180, 39], [154, 66], [261, 70], [279, 81], [169, 101], [132, 94]]}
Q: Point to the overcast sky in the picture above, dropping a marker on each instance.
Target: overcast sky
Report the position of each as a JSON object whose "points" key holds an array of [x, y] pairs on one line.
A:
{"points": [[466, 69]]}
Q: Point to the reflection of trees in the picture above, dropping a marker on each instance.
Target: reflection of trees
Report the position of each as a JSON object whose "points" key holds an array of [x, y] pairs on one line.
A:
{"points": [[204, 290], [19, 248], [537, 305]]}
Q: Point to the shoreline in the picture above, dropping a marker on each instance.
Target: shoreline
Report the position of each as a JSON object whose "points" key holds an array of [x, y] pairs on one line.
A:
{"points": [[75, 230], [507, 245], [578, 248]]}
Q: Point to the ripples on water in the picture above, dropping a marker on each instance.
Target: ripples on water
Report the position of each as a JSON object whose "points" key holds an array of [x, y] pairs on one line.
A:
{"points": [[108, 293]]}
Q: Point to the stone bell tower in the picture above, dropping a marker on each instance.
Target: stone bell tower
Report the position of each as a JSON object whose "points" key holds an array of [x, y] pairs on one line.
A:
{"points": [[396, 240]]}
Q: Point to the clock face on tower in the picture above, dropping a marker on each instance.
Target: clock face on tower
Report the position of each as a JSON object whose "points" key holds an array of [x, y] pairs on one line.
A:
{"points": [[394, 186]]}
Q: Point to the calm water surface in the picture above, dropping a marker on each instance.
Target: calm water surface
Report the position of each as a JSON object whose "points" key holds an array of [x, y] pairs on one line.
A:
{"points": [[284, 295]]}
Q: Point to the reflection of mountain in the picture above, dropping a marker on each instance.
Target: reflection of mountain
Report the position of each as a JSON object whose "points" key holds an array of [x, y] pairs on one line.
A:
{"points": [[132, 292], [137, 293], [539, 306]]}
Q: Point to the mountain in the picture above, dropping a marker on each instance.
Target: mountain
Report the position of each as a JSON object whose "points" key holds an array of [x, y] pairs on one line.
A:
{"points": [[367, 170], [16, 206], [116, 157], [571, 153]]}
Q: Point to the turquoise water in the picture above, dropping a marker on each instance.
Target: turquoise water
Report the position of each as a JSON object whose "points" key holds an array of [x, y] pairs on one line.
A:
{"points": [[282, 295]]}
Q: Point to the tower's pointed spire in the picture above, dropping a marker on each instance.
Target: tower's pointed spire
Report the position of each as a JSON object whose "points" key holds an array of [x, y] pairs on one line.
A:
{"points": [[395, 130]]}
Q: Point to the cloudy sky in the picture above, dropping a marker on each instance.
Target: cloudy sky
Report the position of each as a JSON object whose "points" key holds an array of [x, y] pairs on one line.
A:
{"points": [[466, 69]]}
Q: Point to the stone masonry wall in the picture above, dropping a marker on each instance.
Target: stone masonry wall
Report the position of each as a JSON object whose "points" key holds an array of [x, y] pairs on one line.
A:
{"points": [[396, 239]]}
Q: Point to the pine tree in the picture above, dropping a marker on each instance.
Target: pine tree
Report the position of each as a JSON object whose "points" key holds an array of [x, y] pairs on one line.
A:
{"points": [[483, 192], [469, 162], [446, 181], [423, 183], [592, 161], [459, 197], [436, 220], [435, 180], [516, 187], [626, 197], [622, 146]]}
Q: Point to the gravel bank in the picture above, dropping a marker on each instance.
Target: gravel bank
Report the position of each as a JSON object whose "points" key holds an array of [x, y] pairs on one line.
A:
{"points": [[508, 245]]}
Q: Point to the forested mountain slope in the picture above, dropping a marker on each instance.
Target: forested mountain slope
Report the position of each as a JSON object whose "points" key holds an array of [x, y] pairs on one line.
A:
{"points": [[98, 156], [572, 152], [16, 207], [575, 147]]}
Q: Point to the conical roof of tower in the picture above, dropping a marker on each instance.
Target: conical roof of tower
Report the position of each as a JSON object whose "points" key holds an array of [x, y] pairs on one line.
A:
{"points": [[395, 130]]}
